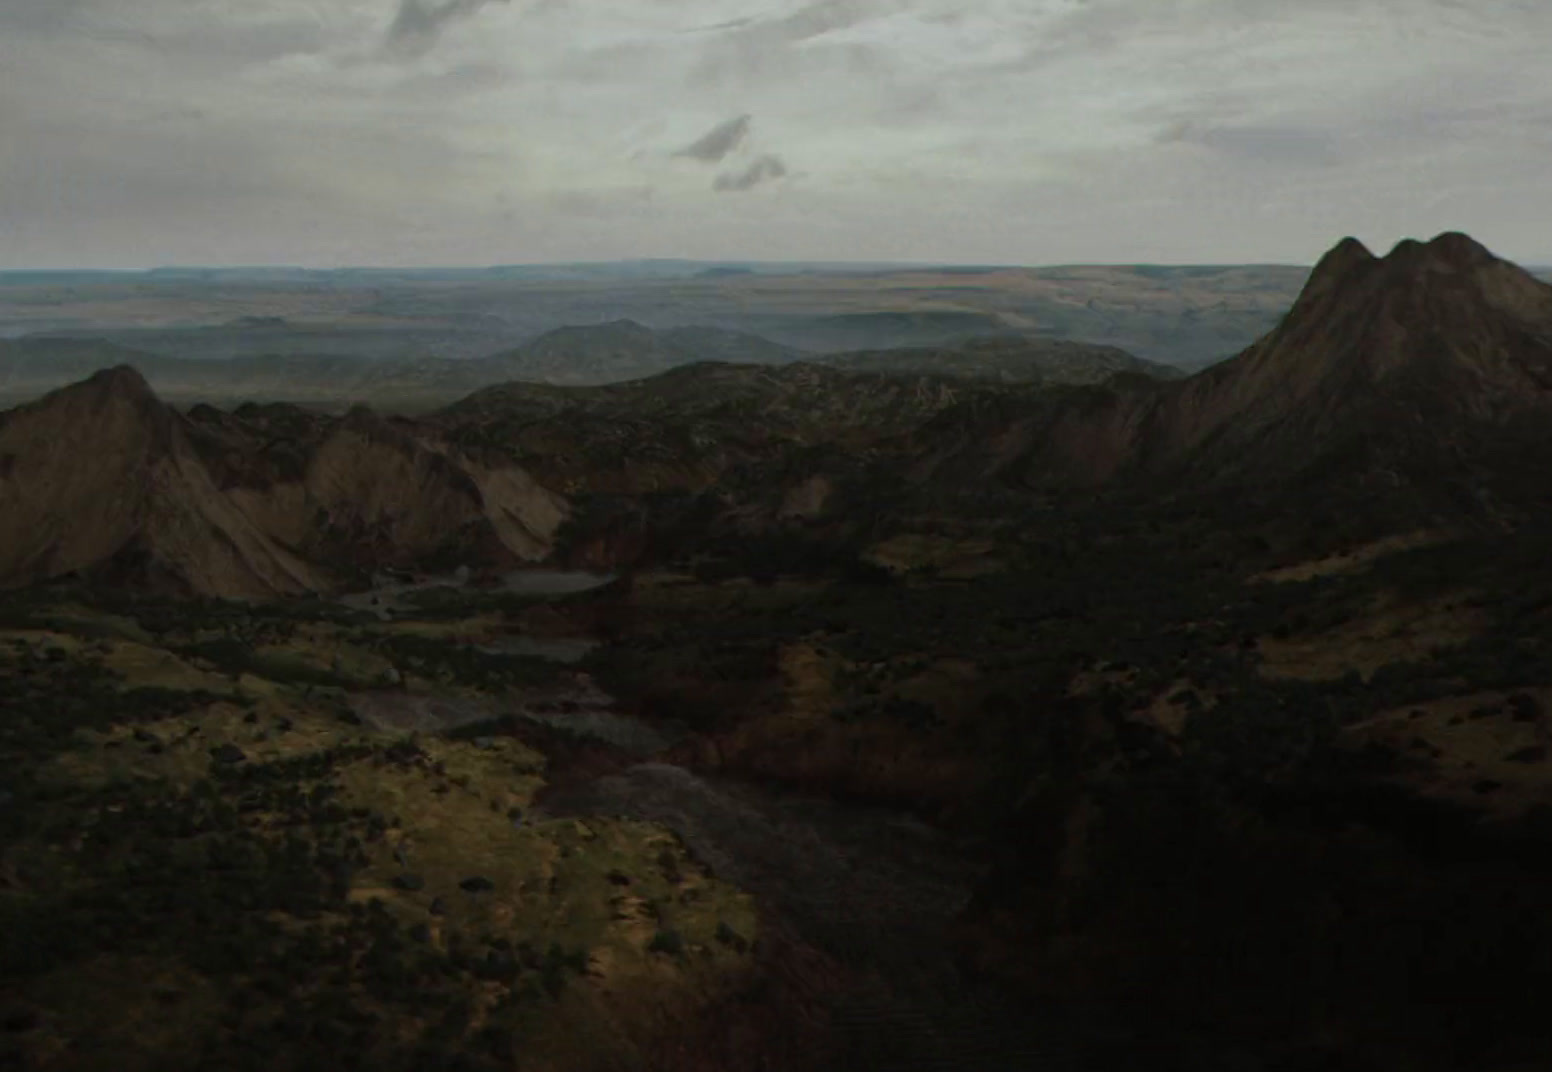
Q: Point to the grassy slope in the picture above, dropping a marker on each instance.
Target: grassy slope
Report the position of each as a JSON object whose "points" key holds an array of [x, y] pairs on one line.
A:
{"points": [[153, 898]]}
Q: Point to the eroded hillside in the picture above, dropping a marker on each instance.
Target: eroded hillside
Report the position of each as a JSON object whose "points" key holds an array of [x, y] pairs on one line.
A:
{"points": [[103, 479]]}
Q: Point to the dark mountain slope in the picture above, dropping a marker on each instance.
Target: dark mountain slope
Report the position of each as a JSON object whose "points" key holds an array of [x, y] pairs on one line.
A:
{"points": [[1388, 368], [700, 424], [1016, 359]]}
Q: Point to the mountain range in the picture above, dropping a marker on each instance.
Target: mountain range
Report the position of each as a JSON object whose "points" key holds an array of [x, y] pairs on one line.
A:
{"points": [[579, 356], [1420, 378]]}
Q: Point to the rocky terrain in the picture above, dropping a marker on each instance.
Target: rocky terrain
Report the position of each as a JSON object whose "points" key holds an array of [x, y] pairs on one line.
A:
{"points": [[1010, 359], [102, 479], [907, 720]]}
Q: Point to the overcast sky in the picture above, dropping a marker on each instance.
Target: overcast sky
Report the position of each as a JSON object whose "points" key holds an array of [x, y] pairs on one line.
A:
{"points": [[399, 132]]}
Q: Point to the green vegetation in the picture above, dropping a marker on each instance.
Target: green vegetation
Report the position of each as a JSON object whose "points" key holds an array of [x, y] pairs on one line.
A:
{"points": [[236, 878], [1302, 802], [451, 663]]}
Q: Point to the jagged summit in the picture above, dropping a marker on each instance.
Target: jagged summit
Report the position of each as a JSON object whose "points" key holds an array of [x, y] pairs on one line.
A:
{"points": [[1383, 365], [1450, 250], [1346, 253], [119, 378], [122, 383], [1450, 286], [1377, 350], [1336, 269], [1352, 247], [114, 404], [1349, 263]]}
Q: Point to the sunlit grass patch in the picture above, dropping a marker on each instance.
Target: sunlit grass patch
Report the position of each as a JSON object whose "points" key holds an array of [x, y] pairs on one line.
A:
{"points": [[463, 837], [1388, 630], [1491, 749], [212, 811], [180, 749], [145, 666], [942, 555], [41, 640], [92, 624], [1354, 560]]}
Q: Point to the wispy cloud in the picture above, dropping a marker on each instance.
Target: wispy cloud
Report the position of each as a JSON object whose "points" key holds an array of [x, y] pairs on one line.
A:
{"points": [[714, 146], [1269, 144], [419, 23], [767, 168]]}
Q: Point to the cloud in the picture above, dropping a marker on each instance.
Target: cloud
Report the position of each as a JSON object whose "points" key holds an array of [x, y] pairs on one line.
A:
{"points": [[420, 23], [822, 17], [767, 168], [38, 15], [714, 146], [1004, 131], [1269, 144], [807, 44]]}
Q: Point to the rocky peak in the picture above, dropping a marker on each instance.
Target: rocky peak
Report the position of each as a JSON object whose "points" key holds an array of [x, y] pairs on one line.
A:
{"points": [[1448, 252], [120, 381]]}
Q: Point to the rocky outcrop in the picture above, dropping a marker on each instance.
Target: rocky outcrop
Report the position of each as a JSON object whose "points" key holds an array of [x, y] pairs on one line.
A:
{"points": [[1382, 363], [101, 478]]}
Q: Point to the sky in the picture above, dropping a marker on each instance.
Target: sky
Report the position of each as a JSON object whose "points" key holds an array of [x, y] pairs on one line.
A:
{"points": [[473, 132]]}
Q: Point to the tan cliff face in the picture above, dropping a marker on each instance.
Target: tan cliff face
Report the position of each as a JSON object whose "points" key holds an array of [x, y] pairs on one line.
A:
{"points": [[102, 477], [103, 471]]}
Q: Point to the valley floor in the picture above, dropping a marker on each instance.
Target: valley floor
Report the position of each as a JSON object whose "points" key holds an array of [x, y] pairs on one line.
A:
{"points": [[981, 808]]}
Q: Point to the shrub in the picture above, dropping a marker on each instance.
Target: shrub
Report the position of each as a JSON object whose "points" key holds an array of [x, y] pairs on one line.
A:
{"points": [[667, 941]]}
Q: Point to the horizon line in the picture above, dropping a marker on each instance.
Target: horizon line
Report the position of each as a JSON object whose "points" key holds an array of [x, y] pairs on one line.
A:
{"points": [[712, 263]]}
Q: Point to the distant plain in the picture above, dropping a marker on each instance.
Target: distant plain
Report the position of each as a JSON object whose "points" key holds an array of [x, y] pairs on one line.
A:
{"points": [[1185, 316]]}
